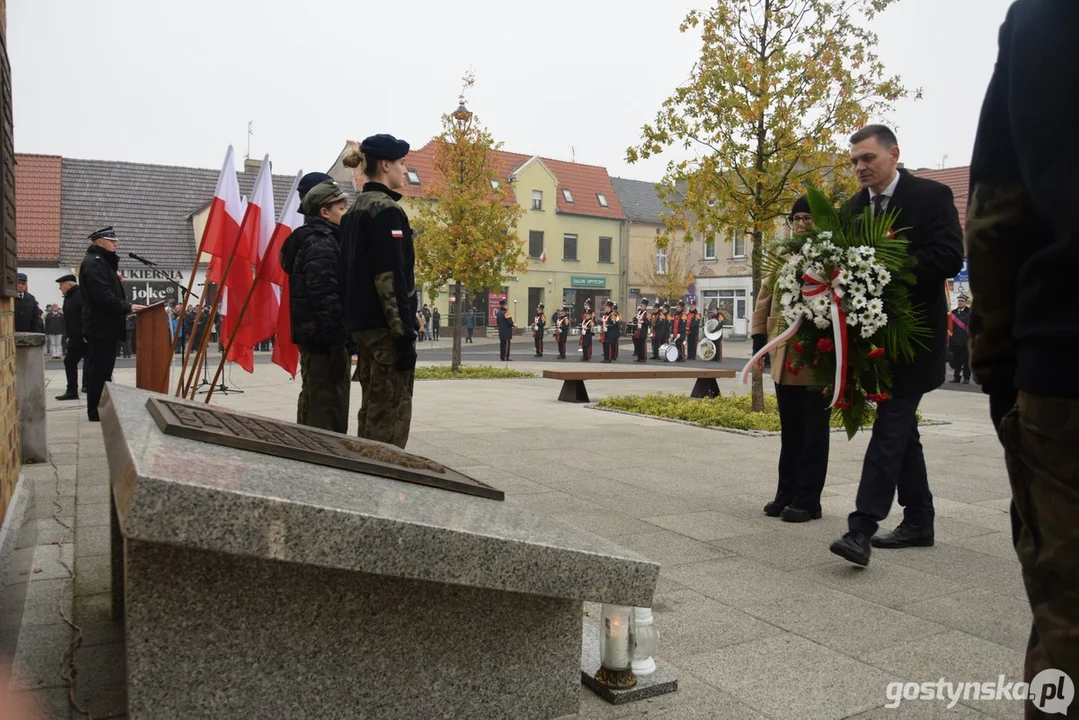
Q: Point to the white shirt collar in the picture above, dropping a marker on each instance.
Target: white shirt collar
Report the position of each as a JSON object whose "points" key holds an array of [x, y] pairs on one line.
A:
{"points": [[888, 191]]}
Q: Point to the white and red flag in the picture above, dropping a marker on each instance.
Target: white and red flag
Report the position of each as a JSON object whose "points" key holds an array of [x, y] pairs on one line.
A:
{"points": [[285, 353], [260, 319]]}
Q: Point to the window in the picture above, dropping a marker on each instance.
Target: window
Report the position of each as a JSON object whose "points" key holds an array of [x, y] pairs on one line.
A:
{"points": [[413, 177], [569, 247], [494, 184], [537, 199], [568, 195], [739, 249], [604, 249], [535, 243], [710, 249], [601, 199], [661, 261]]}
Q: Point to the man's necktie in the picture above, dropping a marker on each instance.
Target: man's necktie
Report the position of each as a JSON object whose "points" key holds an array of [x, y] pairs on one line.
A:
{"points": [[878, 204]]}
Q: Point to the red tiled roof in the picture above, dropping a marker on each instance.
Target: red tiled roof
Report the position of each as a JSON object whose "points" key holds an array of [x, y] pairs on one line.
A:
{"points": [[583, 181], [37, 206], [958, 179]]}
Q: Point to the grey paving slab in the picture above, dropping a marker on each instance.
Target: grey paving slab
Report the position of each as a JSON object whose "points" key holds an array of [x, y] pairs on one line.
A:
{"points": [[998, 544], [782, 548], [96, 493], [44, 704], [969, 568], [54, 506], [785, 674], [710, 525], [93, 615], [92, 575], [883, 582], [738, 582], [982, 613], [92, 540], [921, 710], [694, 700], [53, 562], [956, 657], [690, 624], [670, 549], [51, 531], [101, 688], [45, 600], [607, 523], [87, 514]]}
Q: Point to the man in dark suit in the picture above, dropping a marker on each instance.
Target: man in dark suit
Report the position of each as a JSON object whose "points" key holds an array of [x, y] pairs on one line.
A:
{"points": [[894, 459]]}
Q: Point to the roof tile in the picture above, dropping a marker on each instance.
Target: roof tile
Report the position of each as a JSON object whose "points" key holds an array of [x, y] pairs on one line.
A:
{"points": [[958, 179], [37, 206]]}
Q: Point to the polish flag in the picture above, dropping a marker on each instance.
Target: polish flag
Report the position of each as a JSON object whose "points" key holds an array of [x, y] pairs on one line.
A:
{"points": [[260, 319], [226, 210], [543, 256], [285, 353]]}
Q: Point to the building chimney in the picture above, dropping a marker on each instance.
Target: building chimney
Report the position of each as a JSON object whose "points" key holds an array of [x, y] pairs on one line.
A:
{"points": [[251, 165]]}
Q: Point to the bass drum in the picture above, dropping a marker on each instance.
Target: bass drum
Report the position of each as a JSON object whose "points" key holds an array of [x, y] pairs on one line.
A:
{"points": [[669, 352], [706, 350], [713, 330]]}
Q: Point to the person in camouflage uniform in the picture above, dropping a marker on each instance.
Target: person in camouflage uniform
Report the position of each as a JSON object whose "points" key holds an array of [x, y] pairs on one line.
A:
{"points": [[1023, 252], [379, 287], [311, 256]]}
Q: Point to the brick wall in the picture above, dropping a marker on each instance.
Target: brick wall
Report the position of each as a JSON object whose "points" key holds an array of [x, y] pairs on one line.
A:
{"points": [[9, 424]]}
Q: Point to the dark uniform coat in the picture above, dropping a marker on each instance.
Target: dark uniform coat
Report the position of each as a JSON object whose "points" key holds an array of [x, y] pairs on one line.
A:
{"points": [[104, 304], [28, 314]]}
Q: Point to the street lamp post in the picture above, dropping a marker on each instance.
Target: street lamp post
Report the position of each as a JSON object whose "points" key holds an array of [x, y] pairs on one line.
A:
{"points": [[462, 121]]}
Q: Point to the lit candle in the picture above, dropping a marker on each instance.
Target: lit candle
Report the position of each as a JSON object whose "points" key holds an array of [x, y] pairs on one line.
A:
{"points": [[616, 647]]}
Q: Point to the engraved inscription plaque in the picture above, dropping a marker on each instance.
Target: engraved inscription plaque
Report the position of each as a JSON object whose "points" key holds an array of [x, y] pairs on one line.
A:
{"points": [[313, 445]]}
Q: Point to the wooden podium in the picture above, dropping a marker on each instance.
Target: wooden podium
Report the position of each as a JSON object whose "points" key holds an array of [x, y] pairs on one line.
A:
{"points": [[152, 344]]}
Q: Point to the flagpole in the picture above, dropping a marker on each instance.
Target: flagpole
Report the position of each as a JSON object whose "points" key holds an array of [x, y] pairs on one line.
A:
{"points": [[232, 339], [200, 354], [187, 349]]}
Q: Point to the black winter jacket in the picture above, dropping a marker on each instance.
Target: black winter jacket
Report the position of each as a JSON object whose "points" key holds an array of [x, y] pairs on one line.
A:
{"points": [[73, 316], [312, 257], [104, 304]]}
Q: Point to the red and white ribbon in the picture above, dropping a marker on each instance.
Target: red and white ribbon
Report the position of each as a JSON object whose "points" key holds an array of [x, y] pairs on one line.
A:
{"points": [[814, 285]]}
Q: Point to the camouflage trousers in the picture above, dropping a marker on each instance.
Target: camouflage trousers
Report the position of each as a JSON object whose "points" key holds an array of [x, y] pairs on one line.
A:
{"points": [[1041, 444], [386, 409], [324, 390]]}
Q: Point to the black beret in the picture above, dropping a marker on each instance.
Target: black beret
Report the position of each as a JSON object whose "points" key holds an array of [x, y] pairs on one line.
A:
{"points": [[384, 147], [309, 181], [801, 205], [67, 278], [103, 233]]}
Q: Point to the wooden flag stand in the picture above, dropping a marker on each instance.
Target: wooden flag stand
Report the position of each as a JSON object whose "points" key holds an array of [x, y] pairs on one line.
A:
{"points": [[153, 358]]}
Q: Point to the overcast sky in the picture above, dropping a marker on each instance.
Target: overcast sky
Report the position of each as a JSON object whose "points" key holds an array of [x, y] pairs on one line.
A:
{"points": [[176, 82]]}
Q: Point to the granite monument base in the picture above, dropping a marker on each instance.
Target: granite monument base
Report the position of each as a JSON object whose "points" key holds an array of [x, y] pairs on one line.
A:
{"points": [[211, 635], [260, 586]]}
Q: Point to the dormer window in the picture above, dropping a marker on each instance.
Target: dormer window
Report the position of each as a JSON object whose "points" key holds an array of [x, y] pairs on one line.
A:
{"points": [[602, 200], [494, 184], [413, 177], [567, 195]]}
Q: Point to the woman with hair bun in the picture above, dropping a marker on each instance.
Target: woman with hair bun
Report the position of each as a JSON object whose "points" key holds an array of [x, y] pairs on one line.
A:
{"points": [[379, 288]]}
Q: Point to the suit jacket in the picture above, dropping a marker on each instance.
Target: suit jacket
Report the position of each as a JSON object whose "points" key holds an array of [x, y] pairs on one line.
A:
{"points": [[929, 221]]}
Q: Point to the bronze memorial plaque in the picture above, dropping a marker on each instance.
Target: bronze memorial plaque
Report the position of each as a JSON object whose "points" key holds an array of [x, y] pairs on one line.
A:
{"points": [[313, 445]]}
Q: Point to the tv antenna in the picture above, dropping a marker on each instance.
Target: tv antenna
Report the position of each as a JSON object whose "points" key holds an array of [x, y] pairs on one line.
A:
{"points": [[944, 161], [250, 132]]}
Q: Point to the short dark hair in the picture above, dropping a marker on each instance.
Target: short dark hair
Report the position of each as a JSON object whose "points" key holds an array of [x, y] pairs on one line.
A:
{"points": [[882, 133]]}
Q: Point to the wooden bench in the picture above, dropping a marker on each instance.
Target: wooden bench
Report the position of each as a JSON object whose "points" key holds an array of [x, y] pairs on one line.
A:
{"points": [[573, 389]]}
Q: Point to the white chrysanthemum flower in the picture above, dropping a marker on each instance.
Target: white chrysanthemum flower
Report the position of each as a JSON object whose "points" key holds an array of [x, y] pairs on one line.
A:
{"points": [[822, 323], [875, 306], [858, 301], [884, 275], [824, 234]]}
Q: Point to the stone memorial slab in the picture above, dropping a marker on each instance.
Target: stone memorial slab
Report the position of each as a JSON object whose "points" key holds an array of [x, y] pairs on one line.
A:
{"points": [[264, 586], [313, 445]]}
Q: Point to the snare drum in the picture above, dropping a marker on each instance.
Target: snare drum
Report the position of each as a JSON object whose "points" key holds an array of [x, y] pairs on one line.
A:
{"points": [[669, 352]]}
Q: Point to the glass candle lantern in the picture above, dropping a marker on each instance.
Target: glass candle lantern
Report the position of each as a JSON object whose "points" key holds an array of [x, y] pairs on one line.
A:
{"points": [[617, 640]]}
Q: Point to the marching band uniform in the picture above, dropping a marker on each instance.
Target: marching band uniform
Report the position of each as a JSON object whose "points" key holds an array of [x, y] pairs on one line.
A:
{"points": [[640, 336], [693, 330], [586, 334], [616, 321], [678, 331], [662, 332], [562, 323], [538, 325]]}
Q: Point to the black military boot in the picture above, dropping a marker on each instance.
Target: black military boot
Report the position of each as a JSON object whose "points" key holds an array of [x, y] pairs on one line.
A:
{"points": [[854, 547], [905, 536]]}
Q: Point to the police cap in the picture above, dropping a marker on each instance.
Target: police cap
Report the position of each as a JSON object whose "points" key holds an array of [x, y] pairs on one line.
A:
{"points": [[384, 147], [107, 232], [309, 181], [67, 278], [20, 277]]}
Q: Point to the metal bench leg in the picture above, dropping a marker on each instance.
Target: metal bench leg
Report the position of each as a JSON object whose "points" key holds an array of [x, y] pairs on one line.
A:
{"points": [[705, 387], [573, 391]]}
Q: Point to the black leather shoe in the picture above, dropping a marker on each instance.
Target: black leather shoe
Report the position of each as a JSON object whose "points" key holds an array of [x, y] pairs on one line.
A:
{"points": [[966, 381], [67, 396], [797, 515], [954, 380], [905, 536], [854, 546], [774, 508]]}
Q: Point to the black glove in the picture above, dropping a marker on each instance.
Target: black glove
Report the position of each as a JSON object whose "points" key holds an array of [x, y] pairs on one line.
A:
{"points": [[406, 353]]}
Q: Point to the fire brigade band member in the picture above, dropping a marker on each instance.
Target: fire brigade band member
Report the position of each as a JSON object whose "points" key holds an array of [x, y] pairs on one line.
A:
{"points": [[505, 330], [539, 324], [616, 318], [959, 339], [587, 325], [561, 329], [104, 311], [663, 331], [693, 331], [678, 330], [609, 336], [640, 335]]}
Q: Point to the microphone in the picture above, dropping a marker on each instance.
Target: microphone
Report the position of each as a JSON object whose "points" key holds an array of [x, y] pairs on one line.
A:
{"points": [[142, 260]]}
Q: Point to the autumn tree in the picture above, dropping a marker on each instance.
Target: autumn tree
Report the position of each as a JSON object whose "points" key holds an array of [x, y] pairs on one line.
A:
{"points": [[777, 89], [466, 227], [670, 282]]}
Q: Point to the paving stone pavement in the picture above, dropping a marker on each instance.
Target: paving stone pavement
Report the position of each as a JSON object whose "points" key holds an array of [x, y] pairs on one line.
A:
{"points": [[756, 616]]}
